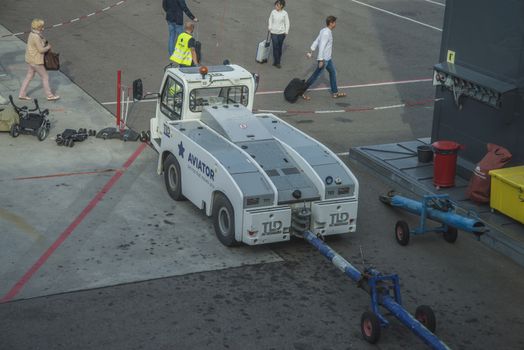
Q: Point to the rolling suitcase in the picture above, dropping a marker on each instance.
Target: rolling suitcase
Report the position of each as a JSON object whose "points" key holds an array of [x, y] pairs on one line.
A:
{"points": [[294, 89], [263, 50]]}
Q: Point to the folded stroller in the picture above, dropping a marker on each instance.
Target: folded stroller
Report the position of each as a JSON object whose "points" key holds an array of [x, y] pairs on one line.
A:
{"points": [[31, 121]]}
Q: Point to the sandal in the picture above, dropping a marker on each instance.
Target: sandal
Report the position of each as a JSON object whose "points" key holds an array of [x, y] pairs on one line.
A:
{"points": [[339, 94], [307, 98], [26, 98], [53, 97]]}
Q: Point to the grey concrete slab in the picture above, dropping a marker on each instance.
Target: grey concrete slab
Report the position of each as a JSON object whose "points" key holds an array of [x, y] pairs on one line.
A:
{"points": [[138, 233], [135, 233]]}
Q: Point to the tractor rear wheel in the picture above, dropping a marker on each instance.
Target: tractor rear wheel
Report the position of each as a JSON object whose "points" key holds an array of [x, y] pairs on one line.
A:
{"points": [[224, 220], [173, 178]]}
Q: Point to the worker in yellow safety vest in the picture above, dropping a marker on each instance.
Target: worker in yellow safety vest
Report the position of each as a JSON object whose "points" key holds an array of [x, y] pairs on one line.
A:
{"points": [[185, 49]]}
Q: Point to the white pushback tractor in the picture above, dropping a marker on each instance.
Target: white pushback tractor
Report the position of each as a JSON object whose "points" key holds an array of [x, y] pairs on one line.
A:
{"points": [[260, 178]]}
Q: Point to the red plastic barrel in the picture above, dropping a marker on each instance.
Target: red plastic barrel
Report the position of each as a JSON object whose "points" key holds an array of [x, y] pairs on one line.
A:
{"points": [[445, 163]]}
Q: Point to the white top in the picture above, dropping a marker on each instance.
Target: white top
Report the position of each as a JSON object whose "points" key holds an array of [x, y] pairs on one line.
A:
{"points": [[278, 22], [324, 42]]}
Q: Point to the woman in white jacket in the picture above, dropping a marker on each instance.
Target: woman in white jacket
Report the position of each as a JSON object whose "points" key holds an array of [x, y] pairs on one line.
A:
{"points": [[278, 27]]}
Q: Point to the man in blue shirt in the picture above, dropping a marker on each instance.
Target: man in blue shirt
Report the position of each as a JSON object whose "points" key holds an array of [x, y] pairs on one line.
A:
{"points": [[175, 19]]}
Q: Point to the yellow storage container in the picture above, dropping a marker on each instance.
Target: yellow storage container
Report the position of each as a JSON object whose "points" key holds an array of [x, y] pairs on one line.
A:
{"points": [[507, 191]]}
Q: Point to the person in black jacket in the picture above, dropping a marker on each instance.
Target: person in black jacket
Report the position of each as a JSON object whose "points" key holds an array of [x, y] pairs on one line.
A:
{"points": [[175, 19]]}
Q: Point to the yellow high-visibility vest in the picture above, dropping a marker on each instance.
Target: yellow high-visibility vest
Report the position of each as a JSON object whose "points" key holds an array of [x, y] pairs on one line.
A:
{"points": [[182, 52]]}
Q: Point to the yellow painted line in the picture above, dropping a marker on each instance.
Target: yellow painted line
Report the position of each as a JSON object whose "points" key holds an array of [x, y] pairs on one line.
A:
{"points": [[20, 223]]}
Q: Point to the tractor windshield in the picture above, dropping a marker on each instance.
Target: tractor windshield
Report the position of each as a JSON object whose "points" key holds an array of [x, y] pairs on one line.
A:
{"points": [[218, 96]]}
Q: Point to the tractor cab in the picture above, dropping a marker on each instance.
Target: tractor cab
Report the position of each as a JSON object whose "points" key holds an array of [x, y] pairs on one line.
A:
{"points": [[186, 91]]}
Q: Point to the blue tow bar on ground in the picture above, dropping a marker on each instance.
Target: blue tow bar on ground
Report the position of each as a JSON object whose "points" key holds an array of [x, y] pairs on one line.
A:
{"points": [[379, 287], [437, 208]]}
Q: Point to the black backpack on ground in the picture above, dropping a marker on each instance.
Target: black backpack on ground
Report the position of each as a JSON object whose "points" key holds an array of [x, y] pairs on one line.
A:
{"points": [[294, 90]]}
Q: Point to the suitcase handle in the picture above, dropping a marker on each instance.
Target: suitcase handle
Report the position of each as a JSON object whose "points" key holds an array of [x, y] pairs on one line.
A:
{"points": [[268, 36]]}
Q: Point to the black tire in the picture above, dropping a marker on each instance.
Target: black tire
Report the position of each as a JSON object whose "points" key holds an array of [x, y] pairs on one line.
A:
{"points": [[224, 220], [71, 143], [15, 130], [173, 178], [425, 315], [42, 133], [67, 142], [451, 234], [370, 327], [402, 232]]}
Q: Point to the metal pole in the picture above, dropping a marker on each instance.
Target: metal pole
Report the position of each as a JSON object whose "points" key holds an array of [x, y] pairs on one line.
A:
{"points": [[341, 263], [412, 323], [118, 97]]}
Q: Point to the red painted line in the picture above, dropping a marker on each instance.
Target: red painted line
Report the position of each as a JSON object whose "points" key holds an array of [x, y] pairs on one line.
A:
{"points": [[67, 232], [66, 174]]}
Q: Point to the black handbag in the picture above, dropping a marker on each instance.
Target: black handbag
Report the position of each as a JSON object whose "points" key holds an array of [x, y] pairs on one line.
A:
{"points": [[52, 60]]}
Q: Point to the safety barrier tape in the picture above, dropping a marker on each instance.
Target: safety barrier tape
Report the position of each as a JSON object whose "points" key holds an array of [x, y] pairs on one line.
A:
{"points": [[97, 12]]}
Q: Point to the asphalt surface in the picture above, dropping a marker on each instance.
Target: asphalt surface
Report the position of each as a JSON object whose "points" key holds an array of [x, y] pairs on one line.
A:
{"points": [[300, 302]]}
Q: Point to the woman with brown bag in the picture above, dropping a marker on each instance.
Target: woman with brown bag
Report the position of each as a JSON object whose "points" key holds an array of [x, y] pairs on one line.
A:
{"points": [[37, 46]]}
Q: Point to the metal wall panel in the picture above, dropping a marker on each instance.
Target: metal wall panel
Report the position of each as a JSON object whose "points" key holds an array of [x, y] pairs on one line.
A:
{"points": [[487, 37]]}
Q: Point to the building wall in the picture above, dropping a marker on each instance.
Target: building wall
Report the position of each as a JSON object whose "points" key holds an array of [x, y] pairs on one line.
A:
{"points": [[488, 38]]}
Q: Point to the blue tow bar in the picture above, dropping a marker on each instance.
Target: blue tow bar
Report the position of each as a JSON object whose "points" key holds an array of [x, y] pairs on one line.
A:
{"points": [[379, 287], [437, 208]]}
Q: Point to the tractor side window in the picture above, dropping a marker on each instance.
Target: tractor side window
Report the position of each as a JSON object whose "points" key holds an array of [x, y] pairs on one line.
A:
{"points": [[172, 99], [237, 94]]}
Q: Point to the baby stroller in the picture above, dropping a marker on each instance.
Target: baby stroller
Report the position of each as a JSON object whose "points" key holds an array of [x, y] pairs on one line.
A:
{"points": [[31, 121]]}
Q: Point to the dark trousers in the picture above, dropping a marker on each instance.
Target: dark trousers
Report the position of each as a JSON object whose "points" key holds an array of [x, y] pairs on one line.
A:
{"points": [[278, 42]]}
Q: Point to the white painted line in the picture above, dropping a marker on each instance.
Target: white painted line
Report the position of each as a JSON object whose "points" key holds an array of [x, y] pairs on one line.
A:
{"points": [[57, 25], [436, 3], [387, 83], [74, 20], [389, 107], [270, 111], [118, 3], [342, 154], [355, 86], [333, 111], [91, 14], [396, 15], [107, 8]]}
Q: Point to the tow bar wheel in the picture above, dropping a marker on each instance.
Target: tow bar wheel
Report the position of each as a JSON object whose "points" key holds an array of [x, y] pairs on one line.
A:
{"points": [[402, 232], [425, 315], [224, 220], [370, 327], [450, 235]]}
